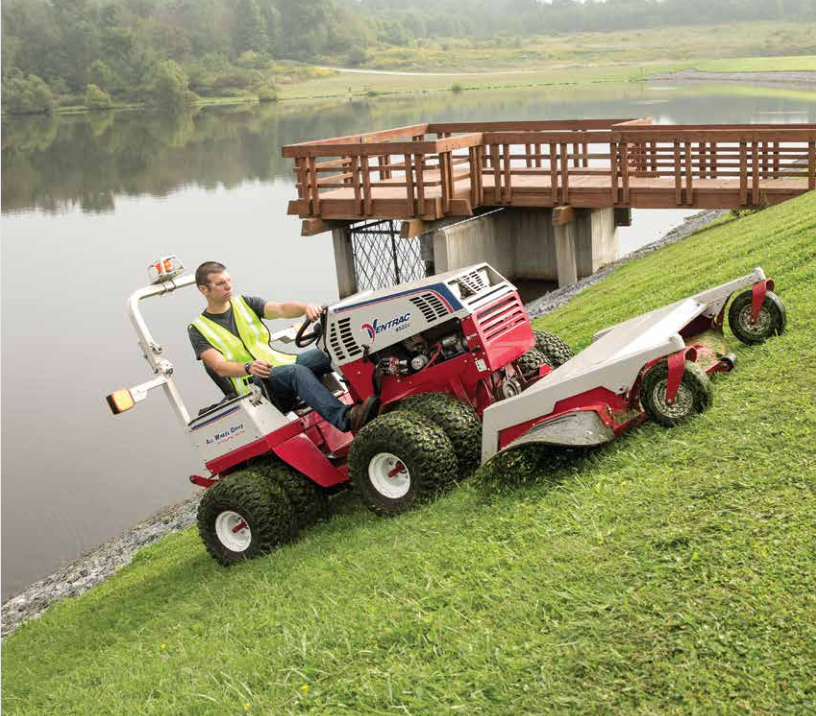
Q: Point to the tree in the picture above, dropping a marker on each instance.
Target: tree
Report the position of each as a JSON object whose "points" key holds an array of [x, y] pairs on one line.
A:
{"points": [[250, 28], [96, 98], [102, 76], [170, 84], [24, 95]]}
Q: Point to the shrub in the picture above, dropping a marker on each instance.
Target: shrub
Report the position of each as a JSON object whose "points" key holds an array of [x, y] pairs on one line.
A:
{"points": [[96, 98], [26, 95], [267, 93], [456, 88]]}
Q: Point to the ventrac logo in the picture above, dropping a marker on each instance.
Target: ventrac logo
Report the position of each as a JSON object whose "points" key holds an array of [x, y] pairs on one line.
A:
{"points": [[374, 329]]}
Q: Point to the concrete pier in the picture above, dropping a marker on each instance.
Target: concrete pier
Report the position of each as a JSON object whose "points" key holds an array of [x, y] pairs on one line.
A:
{"points": [[560, 245]]}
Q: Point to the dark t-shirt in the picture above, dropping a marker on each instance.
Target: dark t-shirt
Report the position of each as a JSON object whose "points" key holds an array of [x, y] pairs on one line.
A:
{"points": [[227, 320]]}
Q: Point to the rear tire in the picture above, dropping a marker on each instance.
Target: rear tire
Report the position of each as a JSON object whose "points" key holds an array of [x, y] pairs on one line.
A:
{"points": [[694, 394], [554, 349], [243, 516], [770, 321], [400, 460], [308, 500], [457, 419]]}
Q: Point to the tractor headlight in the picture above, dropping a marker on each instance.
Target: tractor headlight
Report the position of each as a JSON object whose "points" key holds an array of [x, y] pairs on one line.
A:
{"points": [[120, 400]]}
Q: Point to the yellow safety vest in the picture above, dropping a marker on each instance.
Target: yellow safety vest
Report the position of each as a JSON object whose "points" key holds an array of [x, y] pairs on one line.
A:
{"points": [[251, 343]]}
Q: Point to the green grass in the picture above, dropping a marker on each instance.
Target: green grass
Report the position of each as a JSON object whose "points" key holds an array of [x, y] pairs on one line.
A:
{"points": [[672, 572]]}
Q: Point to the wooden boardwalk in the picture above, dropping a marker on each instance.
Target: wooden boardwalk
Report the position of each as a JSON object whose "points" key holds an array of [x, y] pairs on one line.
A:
{"points": [[429, 171]]}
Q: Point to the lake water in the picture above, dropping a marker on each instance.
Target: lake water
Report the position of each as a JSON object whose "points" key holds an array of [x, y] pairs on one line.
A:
{"points": [[89, 201]]}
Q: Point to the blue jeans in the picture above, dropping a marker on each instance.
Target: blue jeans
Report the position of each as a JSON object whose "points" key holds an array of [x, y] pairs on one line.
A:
{"points": [[302, 378]]}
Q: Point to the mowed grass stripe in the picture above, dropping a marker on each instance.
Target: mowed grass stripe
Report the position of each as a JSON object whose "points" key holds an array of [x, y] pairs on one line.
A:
{"points": [[671, 572]]}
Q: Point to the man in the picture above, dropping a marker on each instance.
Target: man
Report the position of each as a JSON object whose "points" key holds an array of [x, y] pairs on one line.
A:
{"points": [[233, 343]]}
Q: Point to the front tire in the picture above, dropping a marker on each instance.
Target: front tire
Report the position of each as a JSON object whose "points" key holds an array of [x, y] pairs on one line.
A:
{"points": [[694, 394], [458, 420], [770, 321], [243, 516], [555, 350], [400, 460]]}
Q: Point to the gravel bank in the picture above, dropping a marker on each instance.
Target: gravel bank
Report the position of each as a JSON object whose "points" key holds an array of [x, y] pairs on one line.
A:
{"points": [[95, 567]]}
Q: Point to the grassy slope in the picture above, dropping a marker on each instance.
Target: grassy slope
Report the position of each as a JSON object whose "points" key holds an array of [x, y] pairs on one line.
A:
{"points": [[669, 572]]}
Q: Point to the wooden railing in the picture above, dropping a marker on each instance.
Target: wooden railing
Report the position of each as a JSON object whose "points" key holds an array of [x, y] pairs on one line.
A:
{"points": [[432, 170]]}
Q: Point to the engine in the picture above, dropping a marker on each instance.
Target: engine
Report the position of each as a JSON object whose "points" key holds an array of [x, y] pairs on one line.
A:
{"points": [[460, 326]]}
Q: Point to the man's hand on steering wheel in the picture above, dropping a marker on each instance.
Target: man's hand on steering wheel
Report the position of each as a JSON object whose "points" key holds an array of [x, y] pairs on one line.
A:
{"points": [[313, 314], [313, 311]]}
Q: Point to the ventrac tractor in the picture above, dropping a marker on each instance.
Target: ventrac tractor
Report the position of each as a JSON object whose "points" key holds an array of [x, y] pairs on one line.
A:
{"points": [[461, 376]]}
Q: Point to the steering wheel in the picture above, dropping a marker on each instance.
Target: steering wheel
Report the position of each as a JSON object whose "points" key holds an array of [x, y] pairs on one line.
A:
{"points": [[303, 339]]}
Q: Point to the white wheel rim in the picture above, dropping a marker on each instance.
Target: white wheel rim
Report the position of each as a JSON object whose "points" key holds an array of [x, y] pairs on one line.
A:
{"points": [[760, 327], [233, 531], [683, 402], [389, 475]]}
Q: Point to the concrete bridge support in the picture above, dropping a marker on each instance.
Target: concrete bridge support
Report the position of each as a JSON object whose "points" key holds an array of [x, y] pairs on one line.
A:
{"points": [[560, 245], [544, 244]]}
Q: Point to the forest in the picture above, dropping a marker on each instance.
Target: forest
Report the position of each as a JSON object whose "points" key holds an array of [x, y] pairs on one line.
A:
{"points": [[97, 52]]}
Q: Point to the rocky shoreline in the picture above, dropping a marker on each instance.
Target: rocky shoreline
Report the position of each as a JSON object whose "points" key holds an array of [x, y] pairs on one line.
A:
{"points": [[96, 566]]}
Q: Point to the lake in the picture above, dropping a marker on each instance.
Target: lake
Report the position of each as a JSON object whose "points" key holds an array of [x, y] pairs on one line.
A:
{"points": [[89, 200]]}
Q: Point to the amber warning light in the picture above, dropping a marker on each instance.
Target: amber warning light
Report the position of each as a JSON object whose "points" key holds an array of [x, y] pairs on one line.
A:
{"points": [[165, 269], [120, 400]]}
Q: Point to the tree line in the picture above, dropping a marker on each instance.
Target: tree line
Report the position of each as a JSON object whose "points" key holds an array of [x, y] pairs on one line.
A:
{"points": [[94, 52]]}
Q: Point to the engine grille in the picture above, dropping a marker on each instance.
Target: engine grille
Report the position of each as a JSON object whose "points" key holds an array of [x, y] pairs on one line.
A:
{"points": [[430, 306], [470, 284], [501, 317], [342, 340]]}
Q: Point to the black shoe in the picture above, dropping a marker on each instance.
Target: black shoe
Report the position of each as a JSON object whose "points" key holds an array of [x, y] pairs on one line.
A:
{"points": [[364, 413]]}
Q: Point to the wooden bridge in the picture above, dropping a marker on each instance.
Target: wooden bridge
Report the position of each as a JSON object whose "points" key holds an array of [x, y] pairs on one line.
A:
{"points": [[431, 171]]}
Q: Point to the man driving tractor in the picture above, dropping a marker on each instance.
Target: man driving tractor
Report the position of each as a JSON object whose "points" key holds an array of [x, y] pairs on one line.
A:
{"points": [[232, 341]]}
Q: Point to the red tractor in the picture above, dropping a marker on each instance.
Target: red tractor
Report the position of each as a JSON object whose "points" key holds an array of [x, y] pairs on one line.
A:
{"points": [[461, 376]]}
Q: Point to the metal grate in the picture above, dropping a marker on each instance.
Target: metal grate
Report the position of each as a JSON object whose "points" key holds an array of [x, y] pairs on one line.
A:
{"points": [[382, 258]]}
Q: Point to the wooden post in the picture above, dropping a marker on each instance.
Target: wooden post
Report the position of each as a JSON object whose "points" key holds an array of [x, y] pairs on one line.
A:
{"points": [[315, 191], [714, 160], [367, 198], [743, 174], [527, 157], [553, 173], [480, 161], [355, 180], [625, 170], [409, 185], [473, 161], [565, 172], [678, 180], [508, 184], [689, 176], [494, 154], [445, 179], [755, 183], [613, 166], [538, 155], [300, 173], [654, 156], [419, 160], [776, 160], [812, 164]]}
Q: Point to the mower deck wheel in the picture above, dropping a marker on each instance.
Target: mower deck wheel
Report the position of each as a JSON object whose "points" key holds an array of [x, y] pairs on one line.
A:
{"points": [[694, 394], [770, 321], [555, 350], [400, 460], [457, 419], [243, 516]]}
